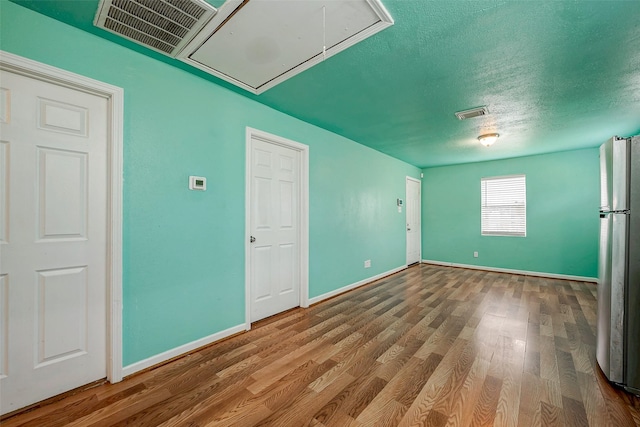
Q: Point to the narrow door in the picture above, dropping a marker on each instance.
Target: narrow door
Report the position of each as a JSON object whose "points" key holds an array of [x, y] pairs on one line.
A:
{"points": [[53, 201], [414, 251], [274, 228]]}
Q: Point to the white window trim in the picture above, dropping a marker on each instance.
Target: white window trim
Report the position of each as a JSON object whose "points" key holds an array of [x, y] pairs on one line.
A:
{"points": [[502, 232]]}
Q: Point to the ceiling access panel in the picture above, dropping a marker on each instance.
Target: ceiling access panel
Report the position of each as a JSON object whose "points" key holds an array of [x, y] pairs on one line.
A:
{"points": [[257, 44]]}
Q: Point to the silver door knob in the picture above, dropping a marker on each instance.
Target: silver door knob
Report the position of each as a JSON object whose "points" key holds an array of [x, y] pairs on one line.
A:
{"points": [[252, 239]]}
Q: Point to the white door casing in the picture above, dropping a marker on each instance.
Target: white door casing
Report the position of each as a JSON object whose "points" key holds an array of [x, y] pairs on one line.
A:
{"points": [[277, 225], [413, 213], [60, 202]]}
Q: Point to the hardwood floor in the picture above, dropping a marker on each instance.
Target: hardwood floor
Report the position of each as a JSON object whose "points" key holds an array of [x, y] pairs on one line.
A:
{"points": [[433, 346]]}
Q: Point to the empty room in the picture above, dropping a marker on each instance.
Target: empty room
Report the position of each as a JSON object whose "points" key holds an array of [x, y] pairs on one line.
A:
{"points": [[319, 213]]}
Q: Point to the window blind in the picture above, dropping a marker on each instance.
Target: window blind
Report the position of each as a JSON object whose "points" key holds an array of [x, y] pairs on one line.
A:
{"points": [[504, 206]]}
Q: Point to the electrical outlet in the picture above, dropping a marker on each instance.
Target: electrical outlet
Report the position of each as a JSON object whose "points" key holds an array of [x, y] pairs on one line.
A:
{"points": [[475, 254], [367, 263]]}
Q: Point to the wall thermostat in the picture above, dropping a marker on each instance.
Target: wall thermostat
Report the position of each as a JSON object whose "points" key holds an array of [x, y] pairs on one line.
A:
{"points": [[197, 183]]}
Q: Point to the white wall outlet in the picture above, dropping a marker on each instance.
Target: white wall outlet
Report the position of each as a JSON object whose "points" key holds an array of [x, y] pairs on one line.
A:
{"points": [[367, 263], [475, 254]]}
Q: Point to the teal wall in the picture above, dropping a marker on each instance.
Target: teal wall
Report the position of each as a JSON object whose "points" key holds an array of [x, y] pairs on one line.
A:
{"points": [[562, 214], [184, 251]]}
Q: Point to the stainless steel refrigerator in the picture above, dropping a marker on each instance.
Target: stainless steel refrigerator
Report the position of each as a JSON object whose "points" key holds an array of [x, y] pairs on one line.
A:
{"points": [[618, 334]]}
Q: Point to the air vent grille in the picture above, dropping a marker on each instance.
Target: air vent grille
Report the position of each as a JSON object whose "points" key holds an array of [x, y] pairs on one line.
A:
{"points": [[473, 112], [163, 25]]}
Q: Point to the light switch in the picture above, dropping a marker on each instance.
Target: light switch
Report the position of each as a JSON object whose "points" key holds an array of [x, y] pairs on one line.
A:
{"points": [[197, 183]]}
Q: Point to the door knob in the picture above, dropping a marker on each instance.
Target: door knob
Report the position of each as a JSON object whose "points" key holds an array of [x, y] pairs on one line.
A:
{"points": [[252, 239]]}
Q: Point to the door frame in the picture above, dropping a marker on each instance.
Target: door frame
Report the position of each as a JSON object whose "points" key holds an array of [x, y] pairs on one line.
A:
{"points": [[406, 195], [115, 108], [303, 236]]}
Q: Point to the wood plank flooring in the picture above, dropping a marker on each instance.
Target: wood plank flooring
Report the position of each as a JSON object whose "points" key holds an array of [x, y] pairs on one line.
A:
{"points": [[433, 346]]}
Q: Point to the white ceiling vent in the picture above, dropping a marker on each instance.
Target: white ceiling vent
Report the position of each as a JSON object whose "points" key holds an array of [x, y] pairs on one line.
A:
{"points": [[165, 26], [474, 112], [257, 44]]}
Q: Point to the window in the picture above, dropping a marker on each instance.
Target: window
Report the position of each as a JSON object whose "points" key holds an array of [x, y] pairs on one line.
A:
{"points": [[504, 206]]}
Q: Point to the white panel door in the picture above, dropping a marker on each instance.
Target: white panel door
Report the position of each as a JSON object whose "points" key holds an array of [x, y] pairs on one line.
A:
{"points": [[414, 249], [275, 229], [53, 160]]}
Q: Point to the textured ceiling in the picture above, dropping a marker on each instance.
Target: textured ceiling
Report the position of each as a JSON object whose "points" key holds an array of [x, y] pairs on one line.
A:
{"points": [[556, 75]]}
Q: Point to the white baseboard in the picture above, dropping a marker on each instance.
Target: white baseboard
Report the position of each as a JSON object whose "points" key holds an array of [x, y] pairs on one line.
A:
{"points": [[512, 271], [354, 285], [177, 351]]}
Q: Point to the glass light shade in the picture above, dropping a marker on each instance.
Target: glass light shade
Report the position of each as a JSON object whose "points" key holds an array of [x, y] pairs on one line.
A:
{"points": [[488, 139]]}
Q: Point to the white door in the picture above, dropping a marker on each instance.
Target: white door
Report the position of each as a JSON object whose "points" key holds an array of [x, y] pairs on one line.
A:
{"points": [[414, 250], [53, 202], [275, 229]]}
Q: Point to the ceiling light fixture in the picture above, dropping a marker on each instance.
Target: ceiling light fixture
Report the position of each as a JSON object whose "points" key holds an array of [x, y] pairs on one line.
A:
{"points": [[488, 139]]}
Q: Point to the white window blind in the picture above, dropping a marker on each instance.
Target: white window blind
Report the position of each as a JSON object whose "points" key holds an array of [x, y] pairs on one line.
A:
{"points": [[504, 206]]}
